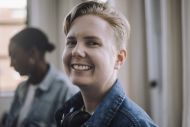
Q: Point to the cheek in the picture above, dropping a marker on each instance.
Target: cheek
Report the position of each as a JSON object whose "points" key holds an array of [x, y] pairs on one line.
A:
{"points": [[22, 63], [66, 58], [104, 63], [108, 58]]}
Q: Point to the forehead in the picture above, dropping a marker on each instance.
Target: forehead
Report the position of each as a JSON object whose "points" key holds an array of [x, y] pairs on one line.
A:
{"points": [[91, 24], [15, 48]]}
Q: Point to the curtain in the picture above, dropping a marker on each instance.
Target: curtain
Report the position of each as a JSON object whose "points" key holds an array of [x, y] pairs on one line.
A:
{"points": [[186, 61], [158, 71], [171, 63]]}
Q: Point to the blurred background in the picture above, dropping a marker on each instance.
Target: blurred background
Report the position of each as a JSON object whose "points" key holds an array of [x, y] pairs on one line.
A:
{"points": [[157, 72]]}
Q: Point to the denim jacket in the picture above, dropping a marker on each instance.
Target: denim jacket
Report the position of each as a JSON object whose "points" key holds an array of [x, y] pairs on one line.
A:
{"points": [[50, 94], [116, 110]]}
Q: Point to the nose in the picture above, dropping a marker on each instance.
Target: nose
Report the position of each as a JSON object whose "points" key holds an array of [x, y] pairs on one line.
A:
{"points": [[78, 51]]}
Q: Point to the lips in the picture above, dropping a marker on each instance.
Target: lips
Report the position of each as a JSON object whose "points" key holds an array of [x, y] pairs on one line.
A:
{"points": [[81, 67]]}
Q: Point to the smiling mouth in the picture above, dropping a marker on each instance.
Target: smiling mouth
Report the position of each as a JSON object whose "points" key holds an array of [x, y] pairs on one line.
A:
{"points": [[80, 67]]}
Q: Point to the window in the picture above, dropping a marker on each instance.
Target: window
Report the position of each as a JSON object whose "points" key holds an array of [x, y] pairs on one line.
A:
{"points": [[13, 17]]}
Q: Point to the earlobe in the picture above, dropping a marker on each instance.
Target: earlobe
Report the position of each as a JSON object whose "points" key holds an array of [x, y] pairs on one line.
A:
{"points": [[121, 57]]}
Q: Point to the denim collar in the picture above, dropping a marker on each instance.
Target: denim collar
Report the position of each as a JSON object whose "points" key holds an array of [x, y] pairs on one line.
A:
{"points": [[105, 111]]}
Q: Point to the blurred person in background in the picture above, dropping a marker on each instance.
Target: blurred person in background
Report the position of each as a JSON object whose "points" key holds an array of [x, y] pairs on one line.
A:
{"points": [[37, 98]]}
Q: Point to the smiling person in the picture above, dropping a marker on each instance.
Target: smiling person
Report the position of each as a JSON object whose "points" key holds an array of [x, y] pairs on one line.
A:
{"points": [[46, 88], [95, 50]]}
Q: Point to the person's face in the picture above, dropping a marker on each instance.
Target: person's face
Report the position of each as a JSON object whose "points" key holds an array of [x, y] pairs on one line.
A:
{"points": [[90, 55], [20, 59]]}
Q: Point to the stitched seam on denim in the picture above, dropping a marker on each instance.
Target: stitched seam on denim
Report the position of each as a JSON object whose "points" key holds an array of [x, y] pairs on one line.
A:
{"points": [[131, 118], [111, 113]]}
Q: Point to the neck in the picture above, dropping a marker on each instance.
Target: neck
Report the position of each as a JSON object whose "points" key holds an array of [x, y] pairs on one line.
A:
{"points": [[94, 94], [91, 102], [38, 74], [92, 98]]}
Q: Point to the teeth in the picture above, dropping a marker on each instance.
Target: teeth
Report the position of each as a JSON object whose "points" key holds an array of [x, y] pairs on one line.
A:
{"points": [[81, 67]]}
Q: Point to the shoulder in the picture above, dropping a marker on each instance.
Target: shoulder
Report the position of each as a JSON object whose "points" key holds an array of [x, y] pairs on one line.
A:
{"points": [[63, 82], [131, 114], [22, 86], [61, 79], [58, 76]]}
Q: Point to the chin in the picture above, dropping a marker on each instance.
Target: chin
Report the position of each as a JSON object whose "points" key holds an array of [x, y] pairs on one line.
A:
{"points": [[23, 73], [20, 73], [80, 82]]}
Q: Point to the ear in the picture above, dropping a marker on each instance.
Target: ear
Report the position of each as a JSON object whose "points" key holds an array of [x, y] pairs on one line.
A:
{"points": [[121, 57], [33, 54], [32, 60]]}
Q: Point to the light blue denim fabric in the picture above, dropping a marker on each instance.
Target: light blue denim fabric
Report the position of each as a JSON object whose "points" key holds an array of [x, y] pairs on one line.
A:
{"points": [[116, 110], [51, 93]]}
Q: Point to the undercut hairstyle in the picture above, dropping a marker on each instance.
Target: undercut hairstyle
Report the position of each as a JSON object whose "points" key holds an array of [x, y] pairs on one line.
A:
{"points": [[32, 37], [117, 20]]}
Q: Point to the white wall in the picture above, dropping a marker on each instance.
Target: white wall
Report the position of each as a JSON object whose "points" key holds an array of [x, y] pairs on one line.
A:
{"points": [[44, 15]]}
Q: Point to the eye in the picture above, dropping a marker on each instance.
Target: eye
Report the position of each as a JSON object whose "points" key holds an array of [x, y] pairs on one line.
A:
{"points": [[92, 43], [71, 43]]}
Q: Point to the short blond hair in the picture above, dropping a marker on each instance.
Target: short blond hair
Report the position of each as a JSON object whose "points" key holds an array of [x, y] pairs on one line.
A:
{"points": [[118, 22]]}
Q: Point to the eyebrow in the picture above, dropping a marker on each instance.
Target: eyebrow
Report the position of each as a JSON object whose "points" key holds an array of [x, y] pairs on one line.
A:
{"points": [[86, 38], [91, 38]]}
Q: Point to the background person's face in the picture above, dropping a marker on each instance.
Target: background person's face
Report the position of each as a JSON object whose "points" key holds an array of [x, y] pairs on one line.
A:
{"points": [[89, 56], [19, 59]]}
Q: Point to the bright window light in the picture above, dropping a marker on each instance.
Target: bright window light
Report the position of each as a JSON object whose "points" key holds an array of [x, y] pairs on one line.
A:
{"points": [[13, 17], [104, 1], [13, 4], [101, 1]]}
